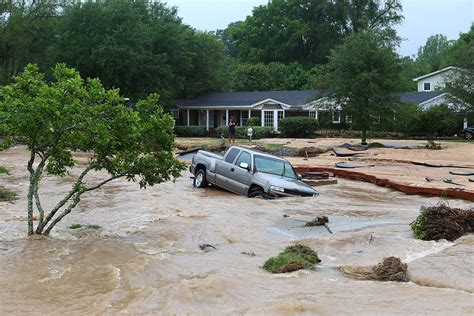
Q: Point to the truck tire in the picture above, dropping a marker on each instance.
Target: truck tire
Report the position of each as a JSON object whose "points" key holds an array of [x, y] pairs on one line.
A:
{"points": [[259, 194], [200, 179], [468, 136]]}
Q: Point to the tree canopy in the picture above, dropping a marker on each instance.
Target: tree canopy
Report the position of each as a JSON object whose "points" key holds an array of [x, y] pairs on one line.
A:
{"points": [[138, 46], [303, 31], [363, 72], [56, 117]]}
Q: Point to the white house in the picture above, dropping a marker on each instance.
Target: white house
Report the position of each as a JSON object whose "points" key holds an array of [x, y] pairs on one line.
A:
{"points": [[215, 109], [437, 80]]}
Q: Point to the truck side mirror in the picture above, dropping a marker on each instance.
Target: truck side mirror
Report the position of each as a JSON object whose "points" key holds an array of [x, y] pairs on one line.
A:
{"points": [[244, 165], [299, 176]]}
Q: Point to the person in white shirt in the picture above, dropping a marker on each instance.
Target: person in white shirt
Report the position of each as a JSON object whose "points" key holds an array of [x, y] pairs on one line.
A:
{"points": [[250, 133]]}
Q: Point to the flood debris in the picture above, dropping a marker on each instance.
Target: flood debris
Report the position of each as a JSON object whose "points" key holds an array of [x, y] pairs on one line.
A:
{"points": [[348, 165], [390, 269], [462, 173], [450, 181], [317, 221], [248, 253], [344, 152], [432, 165], [206, 246], [442, 222], [293, 258]]}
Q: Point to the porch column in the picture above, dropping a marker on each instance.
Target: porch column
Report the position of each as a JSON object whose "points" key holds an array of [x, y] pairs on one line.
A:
{"points": [[187, 117], [263, 118], [250, 113], [226, 117], [207, 120], [317, 115], [241, 117], [465, 123], [275, 120]]}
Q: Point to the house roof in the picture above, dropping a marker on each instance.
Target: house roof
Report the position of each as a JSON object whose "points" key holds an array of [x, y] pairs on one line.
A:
{"points": [[417, 97], [435, 73], [240, 99]]}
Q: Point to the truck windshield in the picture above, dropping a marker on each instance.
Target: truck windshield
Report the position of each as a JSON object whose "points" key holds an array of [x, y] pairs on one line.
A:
{"points": [[274, 166]]}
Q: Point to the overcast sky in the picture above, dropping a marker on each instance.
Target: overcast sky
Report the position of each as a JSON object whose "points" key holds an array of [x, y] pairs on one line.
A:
{"points": [[422, 17]]}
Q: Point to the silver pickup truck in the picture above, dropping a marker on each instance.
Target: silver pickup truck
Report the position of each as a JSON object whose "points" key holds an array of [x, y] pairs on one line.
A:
{"points": [[247, 172]]}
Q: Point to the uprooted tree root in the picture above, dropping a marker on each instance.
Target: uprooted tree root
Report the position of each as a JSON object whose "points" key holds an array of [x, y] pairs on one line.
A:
{"points": [[442, 222], [390, 269], [293, 258]]}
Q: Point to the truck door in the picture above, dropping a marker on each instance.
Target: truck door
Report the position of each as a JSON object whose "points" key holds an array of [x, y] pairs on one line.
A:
{"points": [[223, 168], [239, 178]]}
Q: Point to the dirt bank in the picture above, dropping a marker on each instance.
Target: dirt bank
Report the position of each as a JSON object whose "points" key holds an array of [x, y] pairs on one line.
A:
{"points": [[146, 258]]}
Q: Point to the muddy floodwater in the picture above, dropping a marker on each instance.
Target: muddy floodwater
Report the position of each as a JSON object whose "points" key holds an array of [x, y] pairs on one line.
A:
{"points": [[146, 257]]}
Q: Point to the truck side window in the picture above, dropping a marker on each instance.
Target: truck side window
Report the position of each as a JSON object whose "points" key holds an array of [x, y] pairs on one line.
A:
{"points": [[230, 157], [244, 157]]}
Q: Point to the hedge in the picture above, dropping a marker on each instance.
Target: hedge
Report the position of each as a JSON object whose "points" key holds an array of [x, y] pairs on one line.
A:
{"points": [[254, 121], [190, 131], [241, 131], [298, 126]]}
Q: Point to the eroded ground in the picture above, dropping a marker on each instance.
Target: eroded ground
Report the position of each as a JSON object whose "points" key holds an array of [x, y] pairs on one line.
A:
{"points": [[146, 258]]}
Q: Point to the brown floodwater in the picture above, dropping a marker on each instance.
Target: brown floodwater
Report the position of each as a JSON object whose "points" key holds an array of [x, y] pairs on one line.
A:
{"points": [[146, 258]]}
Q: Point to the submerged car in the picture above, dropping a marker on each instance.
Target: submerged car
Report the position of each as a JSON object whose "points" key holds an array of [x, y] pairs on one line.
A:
{"points": [[248, 172], [468, 132]]}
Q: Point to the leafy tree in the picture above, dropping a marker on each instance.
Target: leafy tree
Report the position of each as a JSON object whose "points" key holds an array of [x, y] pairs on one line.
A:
{"points": [[304, 31], [378, 16], [286, 31], [263, 77], [139, 47], [431, 55], [26, 30], [67, 114], [461, 54], [364, 72], [409, 69]]}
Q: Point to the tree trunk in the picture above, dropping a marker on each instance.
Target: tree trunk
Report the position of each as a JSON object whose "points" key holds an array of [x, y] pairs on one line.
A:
{"points": [[30, 191], [364, 137], [30, 204]]}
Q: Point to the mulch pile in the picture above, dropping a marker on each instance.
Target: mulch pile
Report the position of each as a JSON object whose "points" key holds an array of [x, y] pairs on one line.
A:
{"points": [[390, 269]]}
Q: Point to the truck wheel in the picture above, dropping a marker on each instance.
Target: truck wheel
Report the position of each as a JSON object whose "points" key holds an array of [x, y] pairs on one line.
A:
{"points": [[200, 179], [468, 136], [259, 194]]}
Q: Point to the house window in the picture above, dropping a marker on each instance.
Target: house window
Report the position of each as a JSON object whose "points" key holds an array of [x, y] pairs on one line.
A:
{"points": [[281, 115], [268, 118], [427, 86], [336, 117], [349, 118], [313, 114]]}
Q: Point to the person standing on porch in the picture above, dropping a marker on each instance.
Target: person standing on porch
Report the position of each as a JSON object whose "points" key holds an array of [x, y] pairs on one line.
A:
{"points": [[232, 125]]}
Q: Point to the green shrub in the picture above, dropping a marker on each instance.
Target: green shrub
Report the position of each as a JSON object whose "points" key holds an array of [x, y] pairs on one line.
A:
{"points": [[3, 170], [190, 131], [298, 126], [440, 120], [293, 258], [6, 195], [254, 121], [241, 131], [75, 226]]}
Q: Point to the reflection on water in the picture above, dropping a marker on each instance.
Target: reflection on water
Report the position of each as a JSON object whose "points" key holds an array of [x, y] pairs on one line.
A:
{"points": [[146, 259]]}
